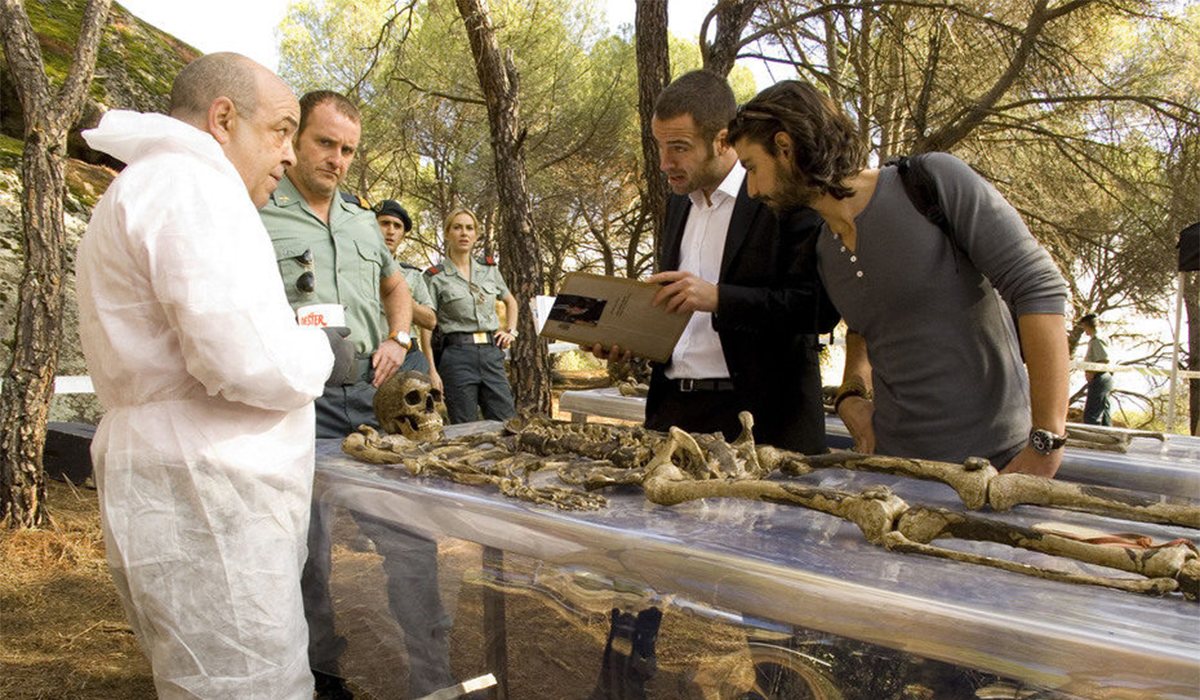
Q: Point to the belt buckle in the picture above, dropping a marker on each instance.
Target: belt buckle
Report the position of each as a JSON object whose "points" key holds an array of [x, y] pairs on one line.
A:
{"points": [[687, 385], [479, 337]]}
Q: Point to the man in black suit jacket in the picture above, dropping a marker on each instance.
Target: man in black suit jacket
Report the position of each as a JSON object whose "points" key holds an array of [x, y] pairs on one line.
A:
{"points": [[752, 282]]}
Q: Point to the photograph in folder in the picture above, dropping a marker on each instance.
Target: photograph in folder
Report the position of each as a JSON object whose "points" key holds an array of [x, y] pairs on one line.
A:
{"points": [[592, 309]]}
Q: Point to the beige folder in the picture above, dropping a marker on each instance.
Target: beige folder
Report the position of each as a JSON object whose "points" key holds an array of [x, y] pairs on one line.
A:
{"points": [[592, 309]]}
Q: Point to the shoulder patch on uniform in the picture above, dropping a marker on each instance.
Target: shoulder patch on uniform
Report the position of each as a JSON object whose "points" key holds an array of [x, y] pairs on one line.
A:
{"points": [[407, 266], [486, 260], [355, 200], [431, 271]]}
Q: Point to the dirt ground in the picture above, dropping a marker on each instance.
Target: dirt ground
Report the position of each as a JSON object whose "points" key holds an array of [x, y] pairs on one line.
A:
{"points": [[62, 631]]}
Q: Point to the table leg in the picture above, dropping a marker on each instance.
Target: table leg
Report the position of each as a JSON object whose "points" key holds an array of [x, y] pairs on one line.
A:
{"points": [[494, 631]]}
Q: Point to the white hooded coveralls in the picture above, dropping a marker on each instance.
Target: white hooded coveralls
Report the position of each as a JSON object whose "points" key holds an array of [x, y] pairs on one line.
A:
{"points": [[204, 457]]}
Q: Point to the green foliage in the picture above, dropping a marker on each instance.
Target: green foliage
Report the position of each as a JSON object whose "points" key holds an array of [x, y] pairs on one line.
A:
{"points": [[57, 26], [10, 152], [1103, 183], [1093, 138], [426, 133], [135, 63]]}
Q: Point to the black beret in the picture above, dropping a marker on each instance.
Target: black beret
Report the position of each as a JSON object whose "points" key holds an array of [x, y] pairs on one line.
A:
{"points": [[390, 207]]}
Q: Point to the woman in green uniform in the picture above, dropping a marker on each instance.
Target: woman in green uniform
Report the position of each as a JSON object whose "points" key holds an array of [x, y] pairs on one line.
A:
{"points": [[464, 291]]}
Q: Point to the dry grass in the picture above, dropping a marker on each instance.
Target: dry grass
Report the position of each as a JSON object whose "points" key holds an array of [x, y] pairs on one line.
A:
{"points": [[62, 630]]}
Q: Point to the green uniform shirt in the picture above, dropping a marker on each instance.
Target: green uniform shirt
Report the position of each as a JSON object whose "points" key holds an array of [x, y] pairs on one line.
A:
{"points": [[464, 307], [415, 277], [349, 258]]}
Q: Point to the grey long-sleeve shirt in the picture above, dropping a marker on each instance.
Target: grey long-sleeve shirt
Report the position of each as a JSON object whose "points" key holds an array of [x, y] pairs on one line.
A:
{"points": [[946, 366]]}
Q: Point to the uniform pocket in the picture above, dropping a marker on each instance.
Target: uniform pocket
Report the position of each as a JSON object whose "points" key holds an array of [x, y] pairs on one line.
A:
{"points": [[456, 306], [296, 270], [370, 268], [491, 290]]}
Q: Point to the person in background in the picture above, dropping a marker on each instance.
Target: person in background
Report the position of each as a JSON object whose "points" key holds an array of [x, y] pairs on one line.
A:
{"points": [[395, 224], [204, 456], [465, 290], [933, 364], [1099, 384]]}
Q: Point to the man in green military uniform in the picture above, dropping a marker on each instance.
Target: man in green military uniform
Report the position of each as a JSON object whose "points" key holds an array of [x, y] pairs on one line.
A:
{"points": [[395, 223], [465, 290], [330, 251]]}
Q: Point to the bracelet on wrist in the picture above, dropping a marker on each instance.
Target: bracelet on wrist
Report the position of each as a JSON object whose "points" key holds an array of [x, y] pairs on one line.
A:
{"points": [[847, 390]]}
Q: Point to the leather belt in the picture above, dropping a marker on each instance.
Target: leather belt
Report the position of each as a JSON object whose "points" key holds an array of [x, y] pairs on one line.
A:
{"points": [[476, 338], [690, 385]]}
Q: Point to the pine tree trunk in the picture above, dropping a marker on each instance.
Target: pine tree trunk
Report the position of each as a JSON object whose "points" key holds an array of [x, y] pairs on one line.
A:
{"points": [[731, 16], [29, 380], [654, 72], [520, 258], [1191, 303]]}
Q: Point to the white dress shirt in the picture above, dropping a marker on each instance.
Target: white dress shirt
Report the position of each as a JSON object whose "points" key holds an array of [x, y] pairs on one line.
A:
{"points": [[698, 353]]}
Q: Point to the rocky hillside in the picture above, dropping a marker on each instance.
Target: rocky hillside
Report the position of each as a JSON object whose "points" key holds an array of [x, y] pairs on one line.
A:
{"points": [[134, 69]]}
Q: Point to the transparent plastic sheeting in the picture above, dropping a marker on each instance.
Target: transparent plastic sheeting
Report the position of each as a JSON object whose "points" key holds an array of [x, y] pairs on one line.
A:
{"points": [[799, 567], [1170, 466]]}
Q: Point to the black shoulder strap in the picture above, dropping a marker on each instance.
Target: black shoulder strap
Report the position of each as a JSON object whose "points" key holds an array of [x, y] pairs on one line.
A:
{"points": [[921, 188]]}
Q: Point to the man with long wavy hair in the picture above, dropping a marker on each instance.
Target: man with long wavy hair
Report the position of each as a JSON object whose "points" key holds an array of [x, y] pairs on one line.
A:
{"points": [[934, 361]]}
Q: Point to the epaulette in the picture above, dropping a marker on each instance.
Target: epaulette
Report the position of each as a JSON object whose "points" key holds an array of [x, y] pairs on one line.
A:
{"points": [[355, 200], [486, 260], [408, 266], [436, 269]]}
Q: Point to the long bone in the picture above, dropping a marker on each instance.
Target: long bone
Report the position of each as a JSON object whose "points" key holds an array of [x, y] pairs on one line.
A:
{"points": [[666, 484], [922, 525], [685, 467], [1008, 490], [977, 483], [896, 541], [887, 520], [969, 479]]}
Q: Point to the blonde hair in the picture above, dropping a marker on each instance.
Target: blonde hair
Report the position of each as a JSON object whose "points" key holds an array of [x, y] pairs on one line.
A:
{"points": [[453, 215]]}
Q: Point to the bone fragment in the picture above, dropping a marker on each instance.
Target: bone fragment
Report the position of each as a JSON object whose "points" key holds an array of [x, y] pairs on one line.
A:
{"points": [[969, 479], [874, 510], [1008, 490], [923, 525], [896, 541], [368, 445]]}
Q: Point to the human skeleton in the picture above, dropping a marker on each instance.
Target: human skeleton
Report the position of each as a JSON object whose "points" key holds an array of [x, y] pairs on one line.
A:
{"points": [[678, 466]]}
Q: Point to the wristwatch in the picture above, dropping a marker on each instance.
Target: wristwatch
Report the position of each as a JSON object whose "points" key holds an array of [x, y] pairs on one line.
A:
{"points": [[403, 338], [1044, 441], [513, 332]]}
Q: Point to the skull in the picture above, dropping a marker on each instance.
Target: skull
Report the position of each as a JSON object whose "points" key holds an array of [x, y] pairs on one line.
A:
{"points": [[409, 405]]}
